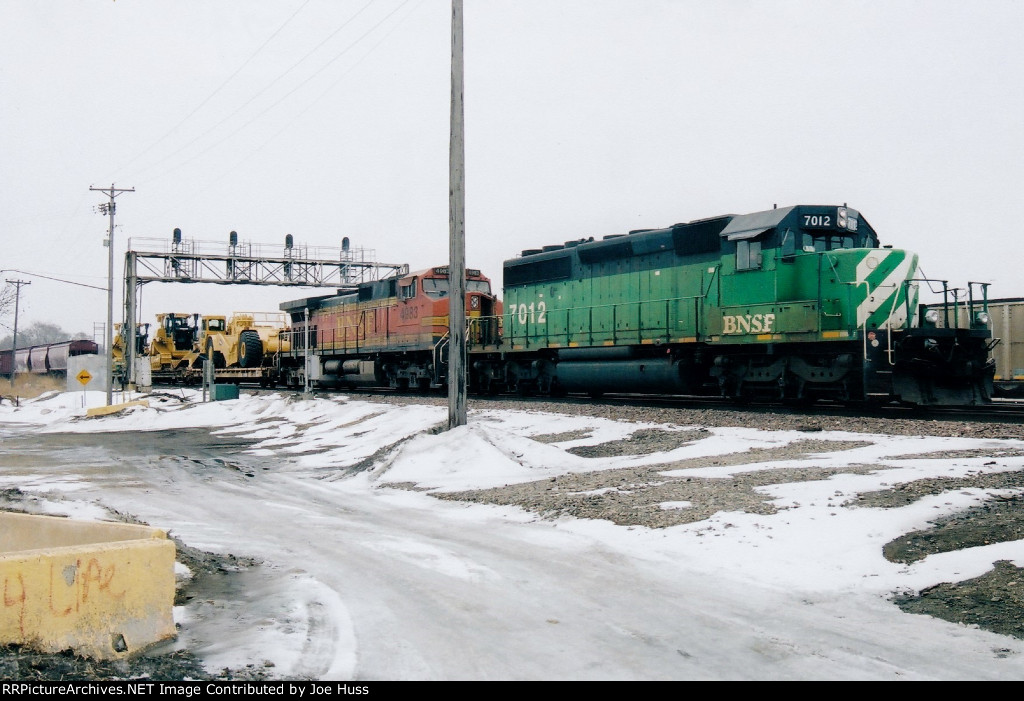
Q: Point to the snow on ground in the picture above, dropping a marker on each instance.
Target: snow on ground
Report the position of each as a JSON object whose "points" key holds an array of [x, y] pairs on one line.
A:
{"points": [[814, 549]]}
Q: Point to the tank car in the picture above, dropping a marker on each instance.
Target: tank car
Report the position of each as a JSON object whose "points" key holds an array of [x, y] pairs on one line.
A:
{"points": [[45, 359], [390, 333], [57, 354], [794, 303]]}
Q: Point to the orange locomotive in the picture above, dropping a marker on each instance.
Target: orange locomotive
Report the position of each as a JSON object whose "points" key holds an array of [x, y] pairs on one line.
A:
{"points": [[386, 333]]}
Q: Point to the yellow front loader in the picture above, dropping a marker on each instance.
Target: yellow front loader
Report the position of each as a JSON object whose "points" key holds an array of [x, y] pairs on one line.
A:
{"points": [[246, 340]]}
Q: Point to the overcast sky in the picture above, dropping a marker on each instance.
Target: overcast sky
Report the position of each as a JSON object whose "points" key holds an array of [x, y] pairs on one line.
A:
{"points": [[330, 118]]}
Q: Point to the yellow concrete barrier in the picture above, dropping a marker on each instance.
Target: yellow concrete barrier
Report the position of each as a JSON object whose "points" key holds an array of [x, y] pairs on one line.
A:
{"points": [[102, 590], [114, 408]]}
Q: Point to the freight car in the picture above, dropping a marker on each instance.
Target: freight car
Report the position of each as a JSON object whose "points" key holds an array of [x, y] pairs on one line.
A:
{"points": [[1007, 323], [797, 303], [45, 359]]}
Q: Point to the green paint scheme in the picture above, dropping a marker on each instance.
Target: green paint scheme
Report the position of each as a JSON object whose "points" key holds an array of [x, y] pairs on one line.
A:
{"points": [[667, 297]]}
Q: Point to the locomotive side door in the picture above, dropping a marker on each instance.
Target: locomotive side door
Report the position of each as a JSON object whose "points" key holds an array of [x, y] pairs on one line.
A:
{"points": [[709, 321]]}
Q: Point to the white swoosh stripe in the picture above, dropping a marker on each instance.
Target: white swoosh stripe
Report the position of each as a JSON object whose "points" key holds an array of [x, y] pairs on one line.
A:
{"points": [[894, 280]]}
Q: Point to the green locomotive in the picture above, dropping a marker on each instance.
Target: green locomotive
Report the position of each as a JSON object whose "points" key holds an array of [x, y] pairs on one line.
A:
{"points": [[795, 303]]}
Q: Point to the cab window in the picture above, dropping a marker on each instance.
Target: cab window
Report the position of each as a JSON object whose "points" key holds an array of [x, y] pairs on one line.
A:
{"points": [[748, 255], [436, 287], [820, 244]]}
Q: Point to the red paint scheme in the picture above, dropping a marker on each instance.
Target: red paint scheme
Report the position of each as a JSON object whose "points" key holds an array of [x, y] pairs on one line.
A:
{"points": [[414, 318], [390, 332]]}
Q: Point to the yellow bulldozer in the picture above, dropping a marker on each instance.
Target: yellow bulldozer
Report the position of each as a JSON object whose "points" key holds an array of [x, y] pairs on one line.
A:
{"points": [[172, 348], [245, 340]]}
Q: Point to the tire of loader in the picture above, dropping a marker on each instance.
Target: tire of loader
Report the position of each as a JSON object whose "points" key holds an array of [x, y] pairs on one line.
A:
{"points": [[250, 349]]}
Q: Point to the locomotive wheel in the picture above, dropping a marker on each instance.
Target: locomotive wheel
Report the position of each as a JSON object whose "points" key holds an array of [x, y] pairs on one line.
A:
{"points": [[250, 349]]}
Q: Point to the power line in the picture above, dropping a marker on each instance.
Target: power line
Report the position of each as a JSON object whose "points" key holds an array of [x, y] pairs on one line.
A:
{"points": [[216, 91], [254, 151], [57, 279], [261, 92]]}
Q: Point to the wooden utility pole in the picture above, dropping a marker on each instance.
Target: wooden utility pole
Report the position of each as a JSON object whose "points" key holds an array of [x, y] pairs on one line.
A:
{"points": [[108, 208], [14, 341], [456, 237]]}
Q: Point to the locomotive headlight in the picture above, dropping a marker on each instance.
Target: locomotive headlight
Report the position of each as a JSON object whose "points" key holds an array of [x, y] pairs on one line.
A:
{"points": [[931, 317], [841, 218], [982, 319]]}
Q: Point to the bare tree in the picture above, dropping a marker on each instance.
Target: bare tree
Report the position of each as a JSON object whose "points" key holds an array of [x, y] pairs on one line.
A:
{"points": [[38, 334], [7, 295]]}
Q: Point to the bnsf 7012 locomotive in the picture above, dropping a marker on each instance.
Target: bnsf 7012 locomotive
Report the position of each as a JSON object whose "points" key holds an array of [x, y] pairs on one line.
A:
{"points": [[794, 303]]}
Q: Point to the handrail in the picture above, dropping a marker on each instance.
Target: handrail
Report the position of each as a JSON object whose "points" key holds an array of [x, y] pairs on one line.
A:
{"points": [[615, 308]]}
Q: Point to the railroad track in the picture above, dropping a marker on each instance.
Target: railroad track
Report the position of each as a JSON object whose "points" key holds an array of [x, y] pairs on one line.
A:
{"points": [[999, 411]]}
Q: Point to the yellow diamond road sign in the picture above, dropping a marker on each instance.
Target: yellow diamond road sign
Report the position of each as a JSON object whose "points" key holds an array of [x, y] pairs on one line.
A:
{"points": [[84, 377]]}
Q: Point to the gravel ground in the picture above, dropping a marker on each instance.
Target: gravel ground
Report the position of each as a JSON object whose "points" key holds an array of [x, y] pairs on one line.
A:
{"points": [[994, 601]]}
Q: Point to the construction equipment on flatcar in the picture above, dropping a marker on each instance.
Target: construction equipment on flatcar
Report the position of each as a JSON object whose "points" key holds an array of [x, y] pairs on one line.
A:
{"points": [[244, 347], [172, 349], [118, 347]]}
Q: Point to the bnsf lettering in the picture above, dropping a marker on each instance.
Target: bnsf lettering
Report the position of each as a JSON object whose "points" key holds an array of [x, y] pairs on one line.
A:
{"points": [[746, 323]]}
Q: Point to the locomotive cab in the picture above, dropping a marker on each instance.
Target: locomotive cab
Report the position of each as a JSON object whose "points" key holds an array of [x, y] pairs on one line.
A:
{"points": [[431, 288]]}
